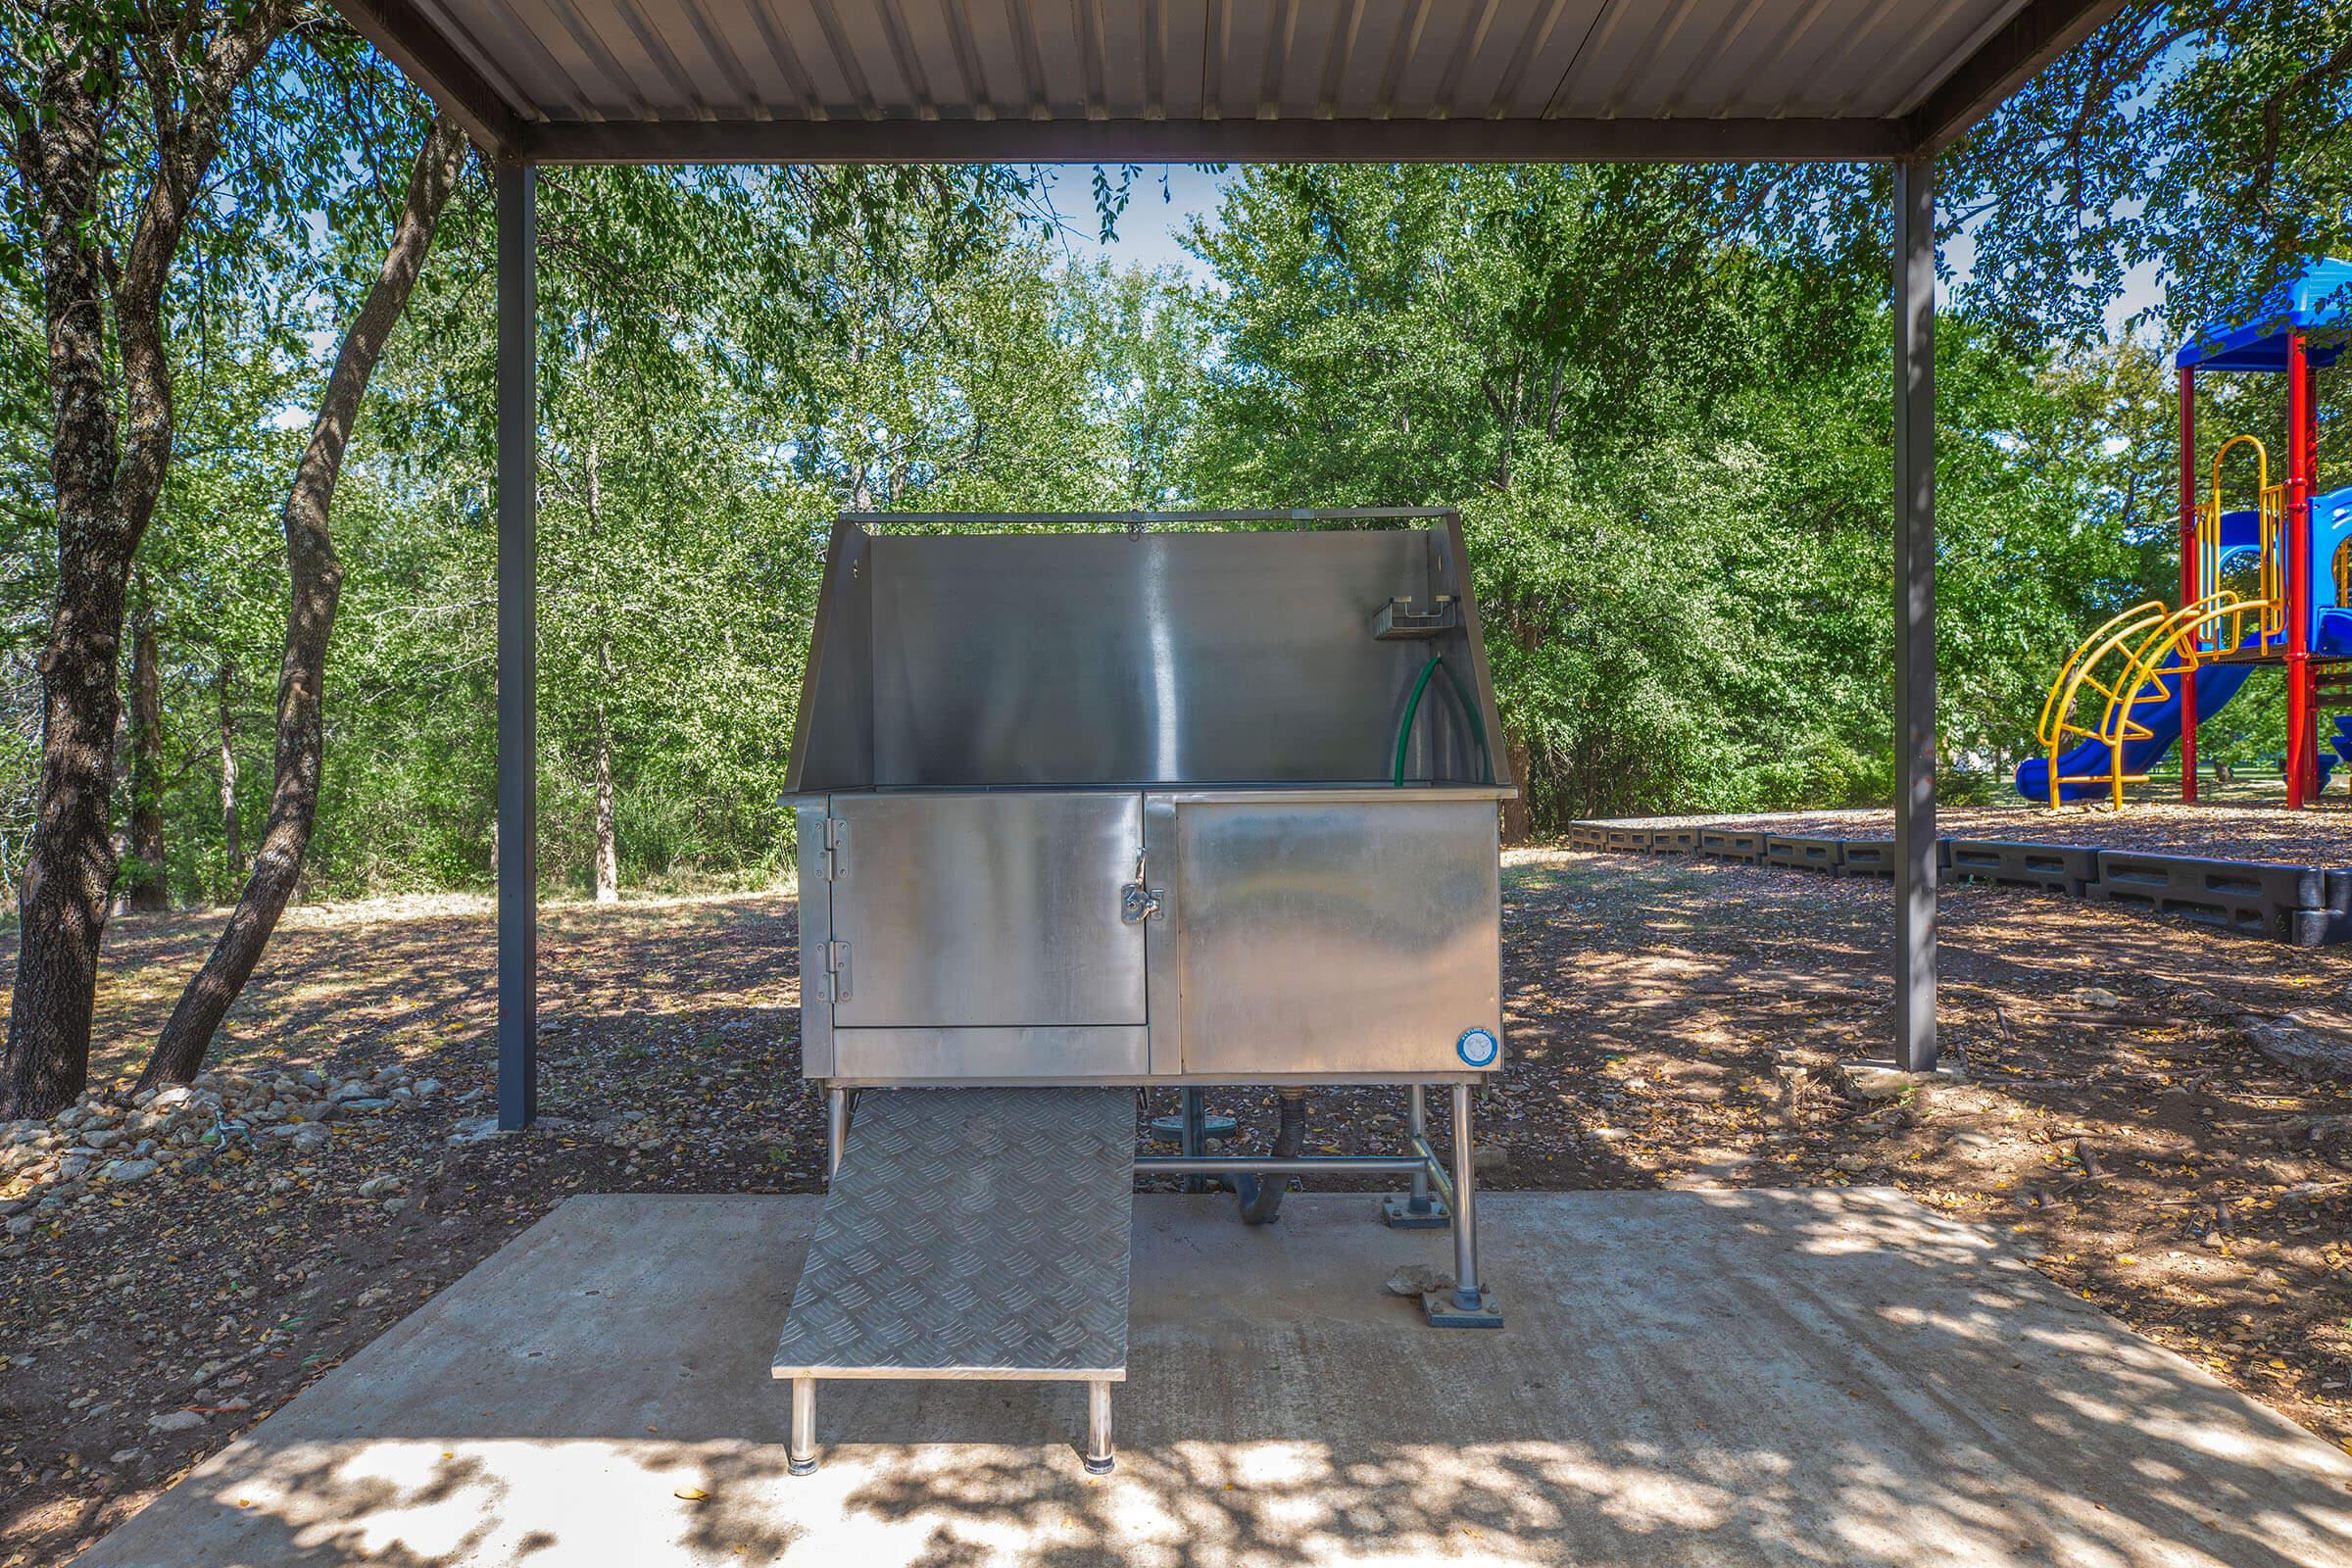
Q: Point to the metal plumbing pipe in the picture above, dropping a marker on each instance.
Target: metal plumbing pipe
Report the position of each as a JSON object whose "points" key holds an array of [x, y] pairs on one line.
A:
{"points": [[1300, 1165], [1261, 1198]]}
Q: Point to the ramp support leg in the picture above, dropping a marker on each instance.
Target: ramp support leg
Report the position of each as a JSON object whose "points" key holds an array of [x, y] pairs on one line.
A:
{"points": [[1098, 1427], [1469, 1304], [1417, 1210], [801, 1455], [837, 1130]]}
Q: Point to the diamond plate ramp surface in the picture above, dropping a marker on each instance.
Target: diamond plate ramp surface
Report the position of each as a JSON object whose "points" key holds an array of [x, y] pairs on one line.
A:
{"points": [[978, 1233]]}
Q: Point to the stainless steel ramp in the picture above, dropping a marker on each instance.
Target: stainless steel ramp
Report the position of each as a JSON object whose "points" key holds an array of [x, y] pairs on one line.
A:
{"points": [[970, 1233]]}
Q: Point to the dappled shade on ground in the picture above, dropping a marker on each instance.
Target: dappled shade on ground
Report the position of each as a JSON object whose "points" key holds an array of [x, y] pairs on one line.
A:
{"points": [[1671, 1024]]}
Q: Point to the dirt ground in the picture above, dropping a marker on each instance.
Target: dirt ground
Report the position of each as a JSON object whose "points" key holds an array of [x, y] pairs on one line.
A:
{"points": [[1671, 1022]]}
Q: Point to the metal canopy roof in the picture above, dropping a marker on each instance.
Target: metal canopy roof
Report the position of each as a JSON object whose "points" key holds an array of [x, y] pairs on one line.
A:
{"points": [[1218, 80]]}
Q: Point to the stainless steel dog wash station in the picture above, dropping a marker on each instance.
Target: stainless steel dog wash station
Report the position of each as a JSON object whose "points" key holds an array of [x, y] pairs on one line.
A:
{"points": [[1093, 804]]}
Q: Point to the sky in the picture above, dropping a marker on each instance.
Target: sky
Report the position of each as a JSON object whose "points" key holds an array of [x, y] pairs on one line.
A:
{"points": [[1149, 230]]}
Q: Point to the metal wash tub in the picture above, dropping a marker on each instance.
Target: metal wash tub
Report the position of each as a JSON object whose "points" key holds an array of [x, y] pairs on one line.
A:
{"points": [[1088, 803]]}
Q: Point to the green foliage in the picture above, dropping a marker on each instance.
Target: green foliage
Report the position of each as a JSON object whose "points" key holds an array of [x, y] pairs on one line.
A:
{"points": [[1658, 395]]}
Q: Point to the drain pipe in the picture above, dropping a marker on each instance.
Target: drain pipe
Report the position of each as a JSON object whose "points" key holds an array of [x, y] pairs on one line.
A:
{"points": [[1262, 1196]]}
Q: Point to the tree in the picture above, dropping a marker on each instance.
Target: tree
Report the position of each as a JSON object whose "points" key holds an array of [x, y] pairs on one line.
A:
{"points": [[317, 579], [107, 462]]}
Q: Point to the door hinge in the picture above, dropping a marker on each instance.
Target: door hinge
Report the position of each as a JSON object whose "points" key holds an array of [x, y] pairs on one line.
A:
{"points": [[836, 978], [837, 833]]}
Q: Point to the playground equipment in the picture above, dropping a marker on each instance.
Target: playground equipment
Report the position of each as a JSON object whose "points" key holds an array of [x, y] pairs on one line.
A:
{"points": [[2148, 675], [1066, 834]]}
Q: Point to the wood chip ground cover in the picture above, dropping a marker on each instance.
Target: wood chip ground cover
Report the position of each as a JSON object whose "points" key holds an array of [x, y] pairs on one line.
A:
{"points": [[1673, 1022]]}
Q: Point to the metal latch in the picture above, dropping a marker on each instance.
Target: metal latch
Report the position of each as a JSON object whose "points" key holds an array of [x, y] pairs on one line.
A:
{"points": [[1139, 900], [836, 971]]}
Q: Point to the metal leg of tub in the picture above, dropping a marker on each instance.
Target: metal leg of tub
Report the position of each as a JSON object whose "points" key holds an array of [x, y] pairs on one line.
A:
{"points": [[1098, 1427], [1416, 1211], [1469, 1304], [837, 1129], [801, 1456]]}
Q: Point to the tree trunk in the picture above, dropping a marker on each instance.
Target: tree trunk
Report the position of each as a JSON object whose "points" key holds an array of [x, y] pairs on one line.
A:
{"points": [[1517, 818], [105, 473], [607, 850], [232, 839], [317, 580], [149, 893], [61, 903]]}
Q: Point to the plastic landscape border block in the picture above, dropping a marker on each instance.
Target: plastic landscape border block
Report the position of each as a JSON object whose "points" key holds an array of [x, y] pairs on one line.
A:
{"points": [[2253, 898], [2051, 867], [2308, 906]]}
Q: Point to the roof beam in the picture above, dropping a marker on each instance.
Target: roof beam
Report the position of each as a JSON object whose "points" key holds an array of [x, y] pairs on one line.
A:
{"points": [[428, 58], [2037, 34], [1520, 140]]}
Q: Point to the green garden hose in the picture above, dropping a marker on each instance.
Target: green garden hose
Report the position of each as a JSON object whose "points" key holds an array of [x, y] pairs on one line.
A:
{"points": [[1412, 709]]}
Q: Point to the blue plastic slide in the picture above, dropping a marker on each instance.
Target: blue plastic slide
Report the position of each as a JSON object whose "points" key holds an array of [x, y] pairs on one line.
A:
{"points": [[2216, 685]]}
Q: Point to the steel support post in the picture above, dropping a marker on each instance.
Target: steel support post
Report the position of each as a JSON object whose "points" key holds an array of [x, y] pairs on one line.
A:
{"points": [[1098, 1427], [799, 1454], [2302, 771], [1469, 1304], [1915, 614], [1465, 1211], [518, 647], [837, 1130], [2192, 575]]}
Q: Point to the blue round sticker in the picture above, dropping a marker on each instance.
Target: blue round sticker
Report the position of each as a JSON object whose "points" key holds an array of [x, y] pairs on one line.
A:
{"points": [[1478, 1047]]}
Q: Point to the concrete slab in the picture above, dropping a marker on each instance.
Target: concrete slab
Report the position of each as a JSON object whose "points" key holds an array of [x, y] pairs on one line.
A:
{"points": [[1802, 1378]]}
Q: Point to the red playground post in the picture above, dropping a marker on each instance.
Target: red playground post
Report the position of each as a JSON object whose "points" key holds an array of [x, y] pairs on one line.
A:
{"points": [[2302, 775], [2192, 588]]}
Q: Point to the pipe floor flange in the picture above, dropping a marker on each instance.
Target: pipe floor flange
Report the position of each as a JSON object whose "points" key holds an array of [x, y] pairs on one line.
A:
{"points": [[1396, 1213], [1444, 1312]]}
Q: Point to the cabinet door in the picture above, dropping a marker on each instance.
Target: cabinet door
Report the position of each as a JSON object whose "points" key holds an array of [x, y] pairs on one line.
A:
{"points": [[987, 909], [1331, 935]]}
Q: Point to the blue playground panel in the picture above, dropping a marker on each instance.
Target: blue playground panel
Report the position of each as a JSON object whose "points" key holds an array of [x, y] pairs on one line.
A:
{"points": [[2314, 301]]}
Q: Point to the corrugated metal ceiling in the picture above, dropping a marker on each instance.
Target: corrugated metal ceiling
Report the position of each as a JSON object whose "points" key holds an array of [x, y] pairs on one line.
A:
{"points": [[759, 59], [562, 64]]}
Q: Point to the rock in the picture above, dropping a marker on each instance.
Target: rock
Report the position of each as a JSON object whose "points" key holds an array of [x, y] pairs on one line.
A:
{"points": [[1416, 1280], [106, 1138], [349, 1089], [427, 1088], [367, 1102], [2098, 996], [20, 1225], [373, 1296], [174, 1421], [1883, 1080], [126, 1456], [474, 1128], [380, 1185], [393, 1205], [124, 1172], [310, 1136]]}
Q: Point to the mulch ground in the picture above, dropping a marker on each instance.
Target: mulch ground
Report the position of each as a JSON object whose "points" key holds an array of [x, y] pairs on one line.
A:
{"points": [[1671, 1022]]}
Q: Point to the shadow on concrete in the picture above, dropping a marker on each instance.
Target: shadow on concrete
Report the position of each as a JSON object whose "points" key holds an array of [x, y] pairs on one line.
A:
{"points": [[1805, 1378]]}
